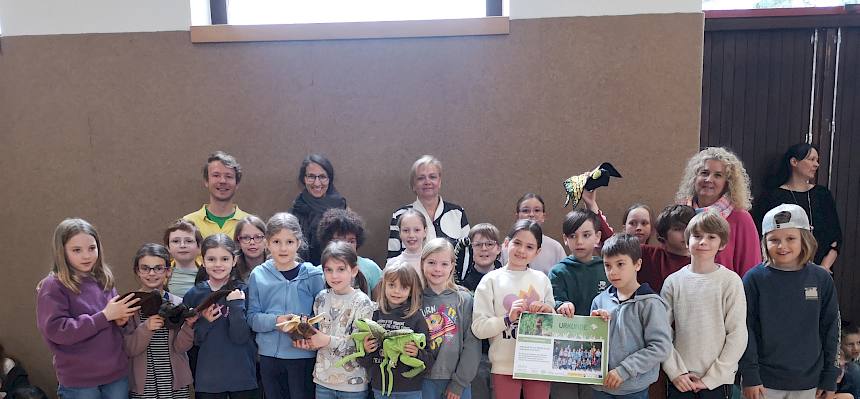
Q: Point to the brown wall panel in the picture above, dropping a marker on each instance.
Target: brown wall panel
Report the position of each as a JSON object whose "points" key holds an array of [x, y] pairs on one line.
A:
{"points": [[114, 128]]}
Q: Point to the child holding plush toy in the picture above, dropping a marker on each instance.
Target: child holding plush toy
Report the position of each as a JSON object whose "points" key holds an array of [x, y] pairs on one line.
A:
{"points": [[280, 288], [159, 364]]}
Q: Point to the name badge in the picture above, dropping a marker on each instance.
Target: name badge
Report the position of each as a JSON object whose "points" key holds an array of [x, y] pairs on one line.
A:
{"points": [[811, 293]]}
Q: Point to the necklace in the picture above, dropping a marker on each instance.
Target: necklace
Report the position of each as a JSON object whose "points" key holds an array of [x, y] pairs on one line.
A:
{"points": [[808, 201]]}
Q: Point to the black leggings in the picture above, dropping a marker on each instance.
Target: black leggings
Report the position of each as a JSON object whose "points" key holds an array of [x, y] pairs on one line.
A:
{"points": [[720, 392]]}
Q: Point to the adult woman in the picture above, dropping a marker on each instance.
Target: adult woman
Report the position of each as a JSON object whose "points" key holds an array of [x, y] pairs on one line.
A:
{"points": [[319, 195], [790, 184], [716, 179], [448, 219]]}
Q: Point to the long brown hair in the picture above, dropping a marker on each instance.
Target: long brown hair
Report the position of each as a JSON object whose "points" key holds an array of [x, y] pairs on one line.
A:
{"points": [[242, 266], [61, 268], [408, 277]]}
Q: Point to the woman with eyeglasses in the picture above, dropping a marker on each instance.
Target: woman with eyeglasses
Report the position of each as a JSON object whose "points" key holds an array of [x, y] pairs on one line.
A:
{"points": [[316, 176], [251, 235]]}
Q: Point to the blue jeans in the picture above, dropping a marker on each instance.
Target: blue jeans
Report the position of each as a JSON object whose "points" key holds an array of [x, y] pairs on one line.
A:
{"points": [[435, 389], [325, 393], [114, 390], [643, 394], [397, 395]]}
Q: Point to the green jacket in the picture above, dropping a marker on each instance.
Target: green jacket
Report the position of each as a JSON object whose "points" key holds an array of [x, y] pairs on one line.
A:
{"points": [[577, 282]]}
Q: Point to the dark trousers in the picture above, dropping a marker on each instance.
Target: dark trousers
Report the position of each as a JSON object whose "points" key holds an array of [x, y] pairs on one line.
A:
{"points": [[287, 378], [720, 392], [252, 394]]}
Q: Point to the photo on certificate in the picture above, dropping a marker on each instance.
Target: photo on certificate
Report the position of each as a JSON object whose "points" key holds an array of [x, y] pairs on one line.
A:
{"points": [[552, 347]]}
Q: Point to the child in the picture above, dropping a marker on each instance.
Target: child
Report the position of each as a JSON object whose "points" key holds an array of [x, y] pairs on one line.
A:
{"points": [[344, 305], [792, 314], [848, 381], [637, 222], [708, 309], [477, 254], [182, 239], [496, 316], [448, 311], [658, 262], [531, 206], [850, 342], [346, 225], [159, 364], [413, 231], [225, 366], [577, 279], [639, 333], [79, 315], [251, 236], [399, 301], [279, 287], [12, 374]]}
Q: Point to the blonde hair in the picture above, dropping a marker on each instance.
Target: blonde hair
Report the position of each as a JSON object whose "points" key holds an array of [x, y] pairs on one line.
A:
{"points": [[436, 245], [737, 179], [708, 222], [425, 160], [408, 277], [61, 268], [808, 246]]}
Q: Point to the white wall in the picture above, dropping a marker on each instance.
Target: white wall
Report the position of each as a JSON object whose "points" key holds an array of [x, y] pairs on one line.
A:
{"points": [[524, 9], [48, 17]]}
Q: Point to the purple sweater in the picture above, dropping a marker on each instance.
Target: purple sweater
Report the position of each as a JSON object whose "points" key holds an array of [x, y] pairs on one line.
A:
{"points": [[88, 349]]}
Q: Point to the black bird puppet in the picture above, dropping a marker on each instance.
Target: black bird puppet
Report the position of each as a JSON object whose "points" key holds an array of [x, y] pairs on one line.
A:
{"points": [[598, 177]]}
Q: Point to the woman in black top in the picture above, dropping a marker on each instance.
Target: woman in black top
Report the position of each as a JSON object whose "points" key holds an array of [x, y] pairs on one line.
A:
{"points": [[319, 195], [790, 184]]}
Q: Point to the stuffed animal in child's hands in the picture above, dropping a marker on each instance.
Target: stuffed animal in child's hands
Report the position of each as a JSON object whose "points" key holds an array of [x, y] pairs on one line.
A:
{"points": [[175, 315], [588, 181], [300, 327]]}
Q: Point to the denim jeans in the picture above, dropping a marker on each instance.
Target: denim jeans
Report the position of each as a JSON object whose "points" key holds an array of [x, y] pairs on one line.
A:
{"points": [[397, 395], [435, 389], [326, 393], [114, 390], [643, 394]]}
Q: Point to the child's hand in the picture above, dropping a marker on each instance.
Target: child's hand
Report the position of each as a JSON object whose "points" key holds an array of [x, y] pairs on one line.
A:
{"points": [[451, 395], [154, 323], [121, 322], [822, 394], [613, 380], [212, 313], [191, 320], [410, 349], [754, 392], [118, 308], [370, 344], [539, 307], [567, 309], [698, 385], [602, 313], [303, 344], [318, 340], [590, 199], [683, 383], [516, 309], [235, 294]]}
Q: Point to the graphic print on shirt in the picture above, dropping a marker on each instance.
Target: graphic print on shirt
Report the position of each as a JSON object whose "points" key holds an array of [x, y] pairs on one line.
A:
{"points": [[531, 295], [442, 322]]}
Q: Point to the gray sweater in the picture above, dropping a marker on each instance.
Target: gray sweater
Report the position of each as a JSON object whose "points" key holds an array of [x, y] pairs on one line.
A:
{"points": [[449, 317], [639, 337]]}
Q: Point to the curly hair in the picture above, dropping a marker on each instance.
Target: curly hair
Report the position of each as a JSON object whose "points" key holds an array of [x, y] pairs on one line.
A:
{"points": [[737, 179], [340, 222]]}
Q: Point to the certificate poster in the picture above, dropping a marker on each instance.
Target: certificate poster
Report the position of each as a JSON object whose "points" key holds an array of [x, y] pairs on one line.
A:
{"points": [[553, 347]]}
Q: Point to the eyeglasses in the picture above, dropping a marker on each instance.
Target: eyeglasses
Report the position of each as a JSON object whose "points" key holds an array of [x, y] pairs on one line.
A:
{"points": [[247, 239], [143, 269], [180, 241], [484, 244], [527, 211], [321, 178]]}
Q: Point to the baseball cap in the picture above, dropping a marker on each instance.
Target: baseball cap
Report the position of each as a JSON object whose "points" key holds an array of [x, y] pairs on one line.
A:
{"points": [[785, 216]]}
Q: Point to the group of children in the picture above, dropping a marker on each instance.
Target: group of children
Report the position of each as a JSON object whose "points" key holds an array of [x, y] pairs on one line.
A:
{"points": [[450, 310]]}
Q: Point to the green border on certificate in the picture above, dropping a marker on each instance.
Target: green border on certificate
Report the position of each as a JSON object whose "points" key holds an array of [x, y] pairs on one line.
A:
{"points": [[552, 347]]}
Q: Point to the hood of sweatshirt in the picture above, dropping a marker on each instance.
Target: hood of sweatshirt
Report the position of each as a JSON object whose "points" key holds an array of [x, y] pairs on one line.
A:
{"points": [[644, 292], [306, 270]]}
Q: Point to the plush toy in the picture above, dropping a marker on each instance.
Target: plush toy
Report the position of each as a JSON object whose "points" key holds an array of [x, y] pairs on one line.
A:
{"points": [[216, 296], [363, 328], [588, 181], [300, 326], [392, 351], [175, 315], [150, 301]]}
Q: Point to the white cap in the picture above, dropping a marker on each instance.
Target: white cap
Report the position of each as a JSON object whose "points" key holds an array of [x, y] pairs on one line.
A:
{"points": [[785, 216]]}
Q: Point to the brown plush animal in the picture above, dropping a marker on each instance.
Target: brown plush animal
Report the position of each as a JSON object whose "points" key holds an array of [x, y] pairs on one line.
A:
{"points": [[300, 326], [150, 301]]}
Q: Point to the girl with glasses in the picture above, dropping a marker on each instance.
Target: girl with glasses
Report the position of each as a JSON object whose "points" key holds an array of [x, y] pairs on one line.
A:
{"points": [[251, 236]]}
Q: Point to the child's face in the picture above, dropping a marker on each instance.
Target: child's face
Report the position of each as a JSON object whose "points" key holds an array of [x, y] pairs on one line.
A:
{"points": [[783, 246], [675, 241], [348, 238], [851, 346], [704, 245], [437, 268], [182, 246], [638, 223], [219, 263], [522, 249], [316, 180], [484, 250], [82, 252], [531, 209], [582, 241], [395, 293], [621, 270], [412, 233], [428, 181], [252, 241], [152, 272], [283, 246], [339, 275]]}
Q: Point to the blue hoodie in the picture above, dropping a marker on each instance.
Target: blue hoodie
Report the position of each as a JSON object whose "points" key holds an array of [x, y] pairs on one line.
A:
{"points": [[271, 295]]}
